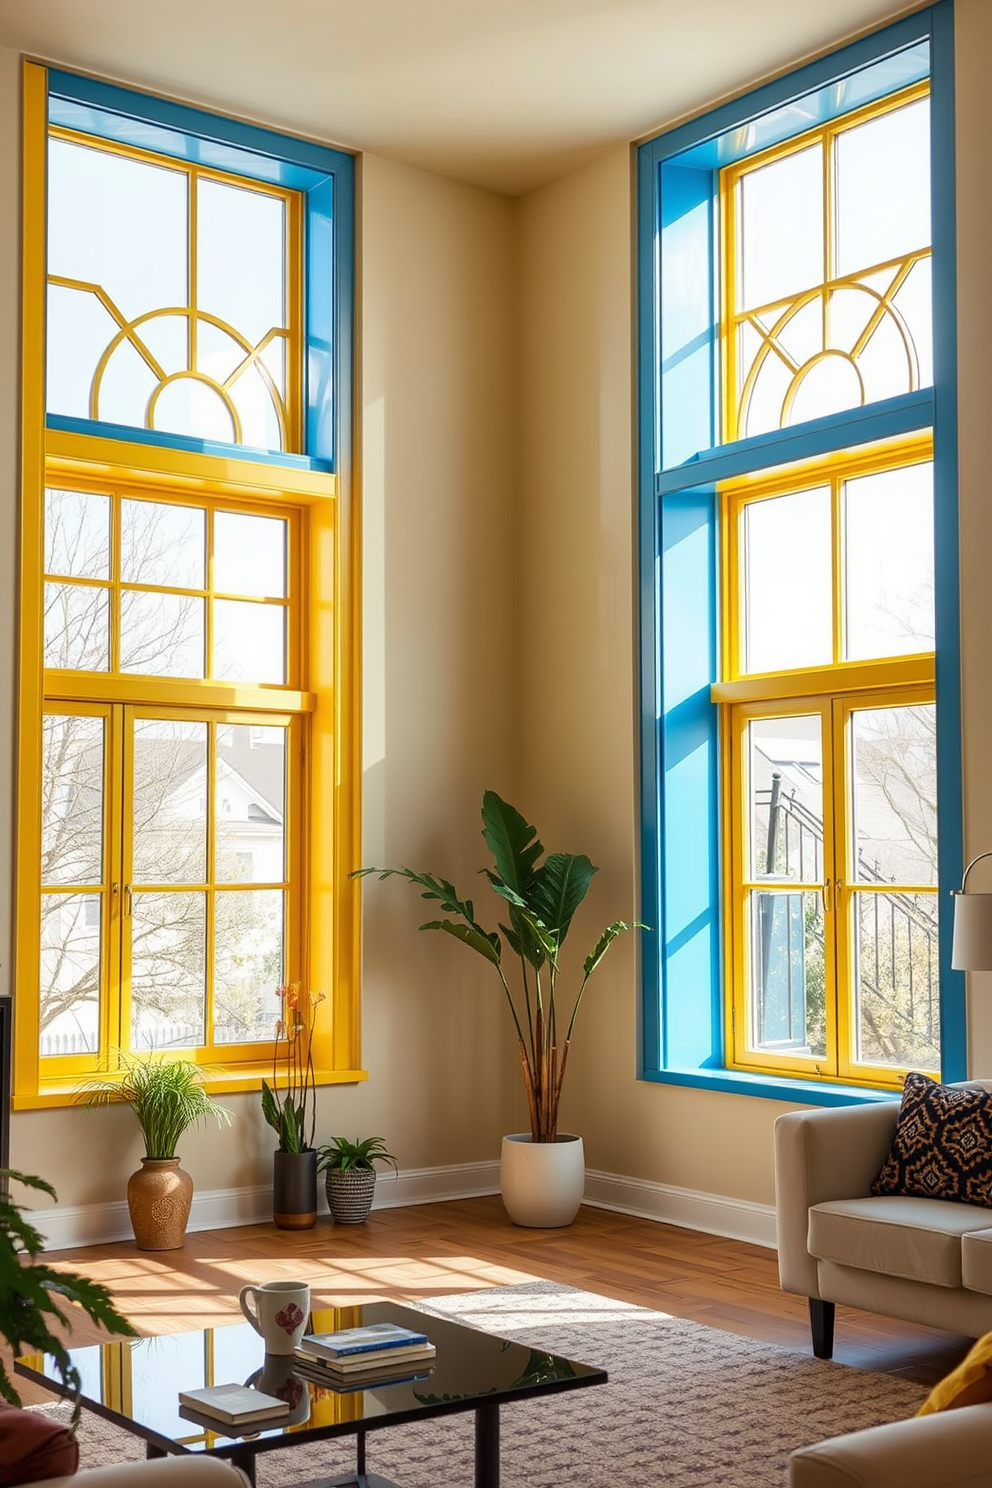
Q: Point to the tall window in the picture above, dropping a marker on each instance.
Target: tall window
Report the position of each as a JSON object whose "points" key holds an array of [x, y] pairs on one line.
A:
{"points": [[827, 592], [793, 597], [183, 529]]}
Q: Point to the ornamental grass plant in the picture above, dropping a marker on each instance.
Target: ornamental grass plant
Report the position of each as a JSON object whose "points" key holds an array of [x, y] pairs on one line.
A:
{"points": [[166, 1096]]}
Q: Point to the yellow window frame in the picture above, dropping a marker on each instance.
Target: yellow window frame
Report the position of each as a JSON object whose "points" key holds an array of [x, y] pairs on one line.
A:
{"points": [[329, 650], [833, 691], [732, 318]]}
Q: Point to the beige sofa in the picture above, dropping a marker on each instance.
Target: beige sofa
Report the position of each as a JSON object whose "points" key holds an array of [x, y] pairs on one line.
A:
{"points": [[951, 1450], [925, 1260], [189, 1471]]}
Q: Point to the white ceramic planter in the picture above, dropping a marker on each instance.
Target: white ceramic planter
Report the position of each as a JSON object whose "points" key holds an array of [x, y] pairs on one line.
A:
{"points": [[542, 1183]]}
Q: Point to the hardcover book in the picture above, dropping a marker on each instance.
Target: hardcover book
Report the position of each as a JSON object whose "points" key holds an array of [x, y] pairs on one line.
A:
{"points": [[374, 1359], [234, 1405], [366, 1340]]}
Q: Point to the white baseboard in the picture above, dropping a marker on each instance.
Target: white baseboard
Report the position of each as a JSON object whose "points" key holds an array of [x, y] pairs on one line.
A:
{"points": [[65, 1228], [735, 1219]]}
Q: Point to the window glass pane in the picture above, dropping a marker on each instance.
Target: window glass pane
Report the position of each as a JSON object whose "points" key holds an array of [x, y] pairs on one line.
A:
{"points": [[161, 1367], [192, 407], [163, 545], [787, 581], [69, 975], [249, 642], [119, 223], [249, 555], [77, 534], [248, 964], [77, 628], [168, 970], [894, 794], [240, 258], [785, 780], [883, 188], [169, 808], [251, 789], [897, 1012], [161, 634], [72, 799], [781, 247], [888, 553], [786, 983]]}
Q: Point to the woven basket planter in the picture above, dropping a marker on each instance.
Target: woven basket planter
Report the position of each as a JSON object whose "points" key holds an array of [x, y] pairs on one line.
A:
{"points": [[349, 1194]]}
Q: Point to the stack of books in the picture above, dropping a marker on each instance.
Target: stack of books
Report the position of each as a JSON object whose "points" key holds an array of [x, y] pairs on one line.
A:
{"points": [[360, 1358]]}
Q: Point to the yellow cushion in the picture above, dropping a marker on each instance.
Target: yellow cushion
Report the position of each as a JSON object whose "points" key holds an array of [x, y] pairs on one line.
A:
{"points": [[969, 1384]]}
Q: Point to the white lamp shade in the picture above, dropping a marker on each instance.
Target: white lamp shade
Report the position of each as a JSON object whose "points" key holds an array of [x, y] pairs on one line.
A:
{"points": [[971, 949]]}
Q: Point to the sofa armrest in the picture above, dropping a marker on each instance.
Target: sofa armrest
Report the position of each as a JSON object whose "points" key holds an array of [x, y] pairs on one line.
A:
{"points": [[191, 1470], [821, 1155], [949, 1450]]}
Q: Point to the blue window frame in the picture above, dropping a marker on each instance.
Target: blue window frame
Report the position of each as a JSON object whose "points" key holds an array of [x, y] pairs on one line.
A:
{"points": [[681, 461], [324, 177]]}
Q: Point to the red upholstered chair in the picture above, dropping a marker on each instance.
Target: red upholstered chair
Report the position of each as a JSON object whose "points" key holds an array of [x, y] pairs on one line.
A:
{"points": [[33, 1448]]}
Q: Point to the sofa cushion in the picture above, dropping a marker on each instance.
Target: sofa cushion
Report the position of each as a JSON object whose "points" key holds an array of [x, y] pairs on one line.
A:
{"points": [[919, 1239], [976, 1261], [942, 1145], [32, 1447]]}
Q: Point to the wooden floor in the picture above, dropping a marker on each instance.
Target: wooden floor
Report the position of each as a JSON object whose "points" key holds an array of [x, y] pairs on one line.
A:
{"points": [[431, 1249]]}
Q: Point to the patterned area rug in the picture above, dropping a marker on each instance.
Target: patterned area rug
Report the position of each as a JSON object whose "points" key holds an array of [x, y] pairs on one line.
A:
{"points": [[685, 1406]]}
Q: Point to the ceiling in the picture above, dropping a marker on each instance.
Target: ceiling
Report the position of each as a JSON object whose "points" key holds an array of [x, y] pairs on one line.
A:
{"points": [[507, 94]]}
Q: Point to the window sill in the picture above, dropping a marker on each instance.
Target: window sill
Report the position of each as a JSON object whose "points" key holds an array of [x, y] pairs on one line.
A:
{"points": [[221, 1082], [771, 1087]]}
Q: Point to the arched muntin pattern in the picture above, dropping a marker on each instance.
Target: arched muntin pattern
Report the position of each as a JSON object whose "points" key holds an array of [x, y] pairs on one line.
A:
{"points": [[266, 415], [883, 310]]}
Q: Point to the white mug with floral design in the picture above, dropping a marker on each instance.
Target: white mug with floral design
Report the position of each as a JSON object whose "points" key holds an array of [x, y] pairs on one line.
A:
{"points": [[278, 1311]]}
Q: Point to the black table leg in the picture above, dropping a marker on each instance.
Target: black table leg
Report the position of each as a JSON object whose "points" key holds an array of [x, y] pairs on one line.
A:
{"points": [[487, 1445], [245, 1459]]}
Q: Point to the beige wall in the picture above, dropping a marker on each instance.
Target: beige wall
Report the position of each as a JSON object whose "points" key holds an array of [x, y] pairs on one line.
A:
{"points": [[496, 359]]}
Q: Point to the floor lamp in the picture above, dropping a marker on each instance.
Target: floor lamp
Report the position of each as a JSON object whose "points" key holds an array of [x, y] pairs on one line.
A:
{"points": [[971, 948]]}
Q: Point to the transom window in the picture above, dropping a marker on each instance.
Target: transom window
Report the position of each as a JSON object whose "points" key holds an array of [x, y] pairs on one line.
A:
{"points": [[173, 296], [827, 275]]}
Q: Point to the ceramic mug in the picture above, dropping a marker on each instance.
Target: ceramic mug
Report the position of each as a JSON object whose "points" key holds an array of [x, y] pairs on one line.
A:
{"points": [[277, 1377], [278, 1311]]}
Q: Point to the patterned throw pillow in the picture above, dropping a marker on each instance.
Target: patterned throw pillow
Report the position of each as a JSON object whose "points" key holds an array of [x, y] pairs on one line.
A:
{"points": [[942, 1145]]}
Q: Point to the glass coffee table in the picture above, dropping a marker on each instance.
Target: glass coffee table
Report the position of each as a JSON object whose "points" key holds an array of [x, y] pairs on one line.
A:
{"points": [[135, 1383]]}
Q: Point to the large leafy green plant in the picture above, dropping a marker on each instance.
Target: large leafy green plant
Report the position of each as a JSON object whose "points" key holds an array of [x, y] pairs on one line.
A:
{"points": [[166, 1096], [32, 1294], [541, 898]]}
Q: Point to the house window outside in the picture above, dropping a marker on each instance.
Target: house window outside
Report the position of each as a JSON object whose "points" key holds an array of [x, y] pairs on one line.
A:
{"points": [[790, 763], [175, 682]]}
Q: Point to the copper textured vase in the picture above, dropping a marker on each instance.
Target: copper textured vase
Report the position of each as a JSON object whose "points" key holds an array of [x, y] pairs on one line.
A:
{"points": [[158, 1199]]}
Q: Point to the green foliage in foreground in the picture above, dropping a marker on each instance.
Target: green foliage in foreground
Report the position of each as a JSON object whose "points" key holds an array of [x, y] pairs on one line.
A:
{"points": [[32, 1295]]}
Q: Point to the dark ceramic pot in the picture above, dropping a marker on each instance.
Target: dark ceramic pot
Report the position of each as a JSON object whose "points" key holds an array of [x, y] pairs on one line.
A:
{"points": [[294, 1190]]}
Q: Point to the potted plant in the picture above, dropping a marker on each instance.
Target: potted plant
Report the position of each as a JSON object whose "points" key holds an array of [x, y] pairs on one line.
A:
{"points": [[542, 1174], [32, 1294], [349, 1175], [289, 1107], [167, 1097]]}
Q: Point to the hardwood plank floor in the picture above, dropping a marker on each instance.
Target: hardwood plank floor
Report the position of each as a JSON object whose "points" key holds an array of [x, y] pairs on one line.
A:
{"points": [[411, 1253]]}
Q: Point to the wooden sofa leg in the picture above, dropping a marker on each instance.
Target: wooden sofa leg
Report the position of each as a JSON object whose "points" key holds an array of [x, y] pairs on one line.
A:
{"points": [[821, 1325]]}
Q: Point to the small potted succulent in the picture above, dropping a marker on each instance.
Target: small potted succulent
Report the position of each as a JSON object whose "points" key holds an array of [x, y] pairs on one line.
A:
{"points": [[349, 1175]]}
